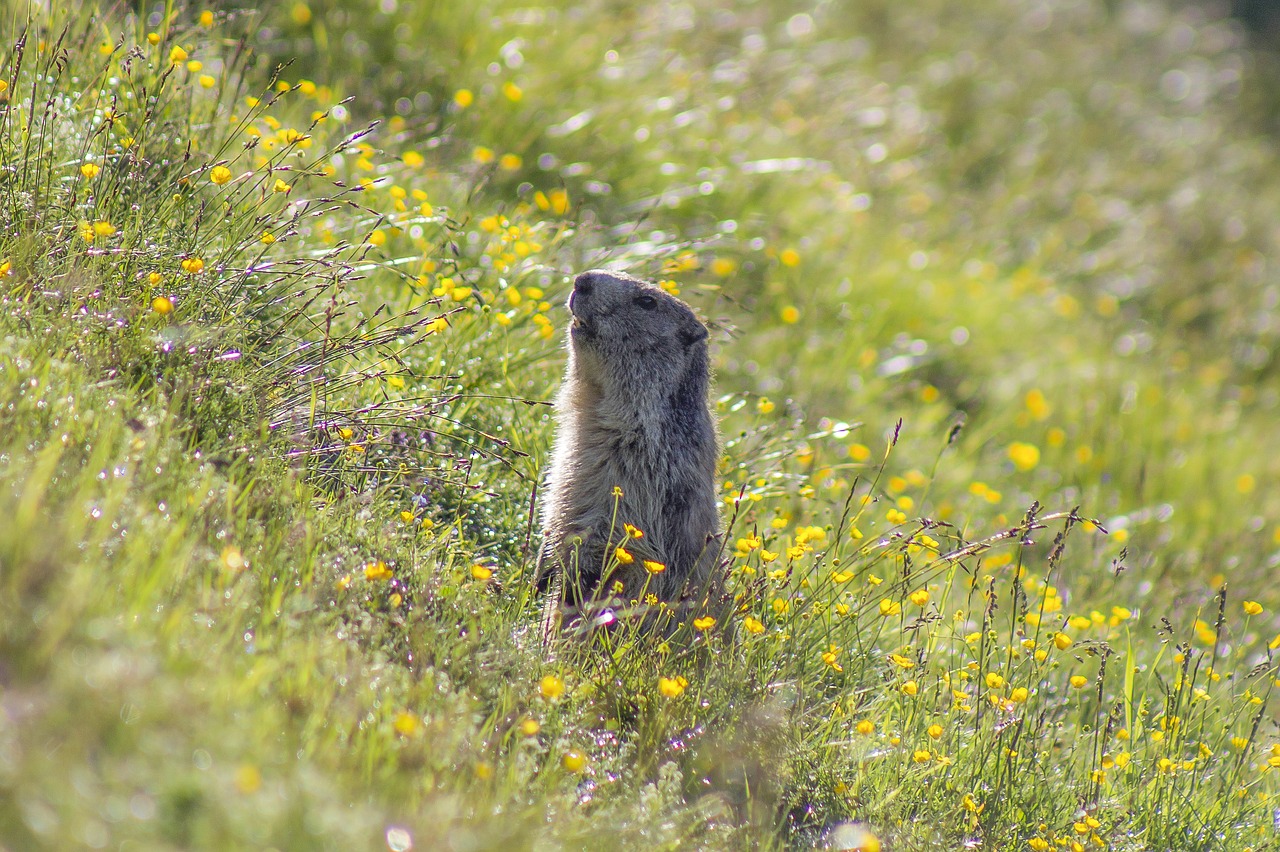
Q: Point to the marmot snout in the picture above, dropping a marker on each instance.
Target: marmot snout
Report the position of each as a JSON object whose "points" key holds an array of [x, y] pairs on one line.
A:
{"points": [[632, 417]]}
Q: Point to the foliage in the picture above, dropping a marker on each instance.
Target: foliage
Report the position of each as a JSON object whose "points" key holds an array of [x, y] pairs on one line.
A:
{"points": [[279, 329]]}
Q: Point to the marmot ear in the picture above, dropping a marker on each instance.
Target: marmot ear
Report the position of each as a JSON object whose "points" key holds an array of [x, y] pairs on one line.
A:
{"points": [[690, 336]]}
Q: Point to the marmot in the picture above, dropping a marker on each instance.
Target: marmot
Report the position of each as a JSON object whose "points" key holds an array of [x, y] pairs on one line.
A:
{"points": [[635, 450]]}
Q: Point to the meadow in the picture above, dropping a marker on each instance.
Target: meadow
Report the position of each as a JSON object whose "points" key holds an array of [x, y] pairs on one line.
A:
{"points": [[995, 323]]}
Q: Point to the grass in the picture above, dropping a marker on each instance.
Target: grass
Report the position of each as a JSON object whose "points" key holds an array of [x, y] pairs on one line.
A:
{"points": [[995, 327]]}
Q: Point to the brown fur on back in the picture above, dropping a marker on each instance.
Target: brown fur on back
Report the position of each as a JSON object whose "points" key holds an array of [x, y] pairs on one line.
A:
{"points": [[632, 415]]}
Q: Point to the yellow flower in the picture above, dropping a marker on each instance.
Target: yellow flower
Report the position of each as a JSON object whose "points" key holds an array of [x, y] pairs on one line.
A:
{"points": [[90, 170], [910, 687], [747, 544], [1252, 608], [934, 731], [280, 186], [753, 625], [557, 201], [1062, 641], [551, 687], [512, 92], [267, 238], [193, 265], [481, 572], [894, 516], [807, 534], [994, 681], [1024, 456], [1037, 406], [463, 98], [6, 267], [206, 19], [889, 607], [672, 687], [1019, 694], [248, 779], [920, 597], [574, 761], [482, 155], [632, 532], [177, 55], [623, 557], [654, 567], [377, 571], [682, 262], [206, 81], [406, 724], [901, 661], [789, 257], [704, 623], [161, 305], [103, 229], [765, 405], [830, 657], [790, 315], [1078, 681], [723, 267], [530, 727], [866, 727], [220, 175], [922, 755]]}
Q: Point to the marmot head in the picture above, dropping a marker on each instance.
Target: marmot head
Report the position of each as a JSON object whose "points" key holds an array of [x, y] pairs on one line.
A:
{"points": [[631, 334]]}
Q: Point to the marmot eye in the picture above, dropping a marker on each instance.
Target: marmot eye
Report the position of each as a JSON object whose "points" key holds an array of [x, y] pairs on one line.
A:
{"points": [[646, 301]]}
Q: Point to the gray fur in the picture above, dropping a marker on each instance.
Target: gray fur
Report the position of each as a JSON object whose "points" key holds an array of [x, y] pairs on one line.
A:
{"points": [[632, 413]]}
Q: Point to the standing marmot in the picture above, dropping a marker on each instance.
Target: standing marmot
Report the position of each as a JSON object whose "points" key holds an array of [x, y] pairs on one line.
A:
{"points": [[633, 419]]}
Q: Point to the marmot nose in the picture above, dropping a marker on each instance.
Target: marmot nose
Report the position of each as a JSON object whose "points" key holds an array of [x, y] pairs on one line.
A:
{"points": [[584, 283]]}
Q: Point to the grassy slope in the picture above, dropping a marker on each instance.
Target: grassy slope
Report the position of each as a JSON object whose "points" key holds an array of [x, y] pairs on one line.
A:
{"points": [[1057, 224]]}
